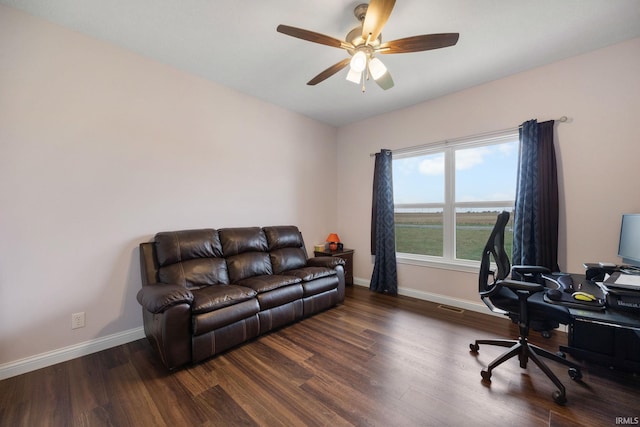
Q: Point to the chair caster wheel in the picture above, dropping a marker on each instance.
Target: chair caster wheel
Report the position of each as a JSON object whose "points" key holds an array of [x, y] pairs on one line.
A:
{"points": [[486, 375], [474, 347], [559, 397], [575, 374], [561, 354]]}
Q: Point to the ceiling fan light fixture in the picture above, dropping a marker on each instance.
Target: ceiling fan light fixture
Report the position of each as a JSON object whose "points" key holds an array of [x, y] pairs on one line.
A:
{"points": [[365, 41], [359, 61], [376, 68], [354, 76]]}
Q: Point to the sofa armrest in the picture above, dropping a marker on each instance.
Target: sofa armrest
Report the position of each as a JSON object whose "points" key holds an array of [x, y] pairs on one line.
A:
{"points": [[325, 261], [338, 264], [158, 297]]}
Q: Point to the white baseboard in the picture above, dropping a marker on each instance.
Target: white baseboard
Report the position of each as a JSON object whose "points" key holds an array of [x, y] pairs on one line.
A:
{"points": [[437, 298], [31, 363], [441, 299], [49, 358]]}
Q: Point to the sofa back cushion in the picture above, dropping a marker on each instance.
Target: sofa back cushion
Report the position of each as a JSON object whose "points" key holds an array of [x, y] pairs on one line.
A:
{"points": [[286, 248], [242, 239], [245, 249], [196, 273], [191, 258], [283, 236], [248, 264], [176, 246]]}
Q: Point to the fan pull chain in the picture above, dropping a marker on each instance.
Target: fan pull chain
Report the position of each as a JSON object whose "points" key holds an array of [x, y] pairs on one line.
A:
{"points": [[365, 76]]}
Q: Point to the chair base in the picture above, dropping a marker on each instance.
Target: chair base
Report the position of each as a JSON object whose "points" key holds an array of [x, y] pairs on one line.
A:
{"points": [[526, 351]]}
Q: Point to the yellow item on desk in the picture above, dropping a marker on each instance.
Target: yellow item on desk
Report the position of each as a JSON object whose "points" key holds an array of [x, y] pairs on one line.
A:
{"points": [[583, 296]]}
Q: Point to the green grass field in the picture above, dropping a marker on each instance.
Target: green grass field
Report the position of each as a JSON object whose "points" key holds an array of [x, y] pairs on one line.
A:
{"points": [[421, 233]]}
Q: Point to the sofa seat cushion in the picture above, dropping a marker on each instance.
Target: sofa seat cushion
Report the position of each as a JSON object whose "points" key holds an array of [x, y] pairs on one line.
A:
{"points": [[212, 320], [280, 296], [267, 283], [215, 297], [307, 274], [320, 285]]}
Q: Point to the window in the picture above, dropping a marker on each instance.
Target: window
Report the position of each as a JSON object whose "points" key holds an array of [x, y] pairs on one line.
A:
{"points": [[447, 197]]}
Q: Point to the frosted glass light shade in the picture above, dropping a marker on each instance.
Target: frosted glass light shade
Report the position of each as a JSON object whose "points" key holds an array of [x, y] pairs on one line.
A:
{"points": [[354, 76], [377, 68], [359, 61]]}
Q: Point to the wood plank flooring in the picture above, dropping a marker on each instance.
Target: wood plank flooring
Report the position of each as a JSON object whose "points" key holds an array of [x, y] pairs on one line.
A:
{"points": [[376, 360]]}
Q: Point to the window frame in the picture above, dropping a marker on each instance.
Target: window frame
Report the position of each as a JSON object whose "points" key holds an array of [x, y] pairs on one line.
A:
{"points": [[448, 261]]}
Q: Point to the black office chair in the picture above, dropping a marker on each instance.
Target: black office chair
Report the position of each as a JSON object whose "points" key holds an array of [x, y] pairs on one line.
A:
{"points": [[523, 302]]}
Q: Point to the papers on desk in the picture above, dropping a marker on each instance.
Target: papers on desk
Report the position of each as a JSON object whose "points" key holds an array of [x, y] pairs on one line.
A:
{"points": [[623, 281]]}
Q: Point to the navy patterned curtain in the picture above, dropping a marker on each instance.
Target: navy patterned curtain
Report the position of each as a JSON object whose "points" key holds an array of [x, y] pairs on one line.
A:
{"points": [[383, 238], [535, 225]]}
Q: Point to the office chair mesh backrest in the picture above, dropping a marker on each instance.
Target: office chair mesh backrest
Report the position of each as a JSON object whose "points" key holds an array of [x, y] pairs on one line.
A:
{"points": [[523, 303], [494, 249]]}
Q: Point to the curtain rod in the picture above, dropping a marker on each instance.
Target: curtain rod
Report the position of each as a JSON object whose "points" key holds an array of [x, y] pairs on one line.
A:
{"points": [[447, 141]]}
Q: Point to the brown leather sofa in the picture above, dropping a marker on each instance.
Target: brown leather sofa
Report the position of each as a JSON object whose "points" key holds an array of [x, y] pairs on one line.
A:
{"points": [[205, 291]]}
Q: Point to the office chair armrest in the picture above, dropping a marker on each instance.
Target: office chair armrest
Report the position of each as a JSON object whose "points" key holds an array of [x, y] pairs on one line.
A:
{"points": [[514, 285], [529, 269], [517, 285]]}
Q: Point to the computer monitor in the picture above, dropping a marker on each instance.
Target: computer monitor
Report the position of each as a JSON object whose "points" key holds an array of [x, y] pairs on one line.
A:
{"points": [[629, 247]]}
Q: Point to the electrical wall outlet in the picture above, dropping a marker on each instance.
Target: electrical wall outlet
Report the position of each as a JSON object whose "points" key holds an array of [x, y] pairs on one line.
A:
{"points": [[77, 320]]}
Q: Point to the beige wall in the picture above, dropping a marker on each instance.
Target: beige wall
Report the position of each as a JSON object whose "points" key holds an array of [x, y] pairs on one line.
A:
{"points": [[598, 152], [100, 149]]}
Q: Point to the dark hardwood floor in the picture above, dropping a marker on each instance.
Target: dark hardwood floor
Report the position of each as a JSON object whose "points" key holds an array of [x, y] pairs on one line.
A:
{"points": [[374, 361]]}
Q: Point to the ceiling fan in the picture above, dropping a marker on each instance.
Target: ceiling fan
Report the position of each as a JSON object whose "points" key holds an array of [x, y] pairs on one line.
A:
{"points": [[365, 41]]}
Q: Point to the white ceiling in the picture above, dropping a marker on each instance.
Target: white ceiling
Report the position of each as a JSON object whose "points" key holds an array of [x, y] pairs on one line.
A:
{"points": [[235, 43]]}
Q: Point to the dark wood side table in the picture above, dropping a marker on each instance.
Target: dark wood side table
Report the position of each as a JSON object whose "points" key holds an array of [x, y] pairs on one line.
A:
{"points": [[347, 256]]}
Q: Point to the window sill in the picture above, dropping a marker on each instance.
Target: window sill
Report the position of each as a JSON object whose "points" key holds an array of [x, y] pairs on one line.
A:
{"points": [[421, 261]]}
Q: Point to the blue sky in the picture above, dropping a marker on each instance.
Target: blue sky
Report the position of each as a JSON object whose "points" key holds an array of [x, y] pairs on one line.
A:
{"points": [[482, 173]]}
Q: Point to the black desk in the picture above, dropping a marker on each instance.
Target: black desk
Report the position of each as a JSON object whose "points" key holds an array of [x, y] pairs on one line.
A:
{"points": [[608, 337]]}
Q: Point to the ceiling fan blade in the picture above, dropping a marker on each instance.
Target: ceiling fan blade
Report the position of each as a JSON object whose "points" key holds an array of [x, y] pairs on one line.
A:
{"points": [[313, 37], [377, 14], [385, 81], [329, 72], [419, 43]]}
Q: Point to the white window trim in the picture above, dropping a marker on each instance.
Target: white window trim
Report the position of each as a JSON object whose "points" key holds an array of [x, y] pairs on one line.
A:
{"points": [[437, 262], [448, 261]]}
